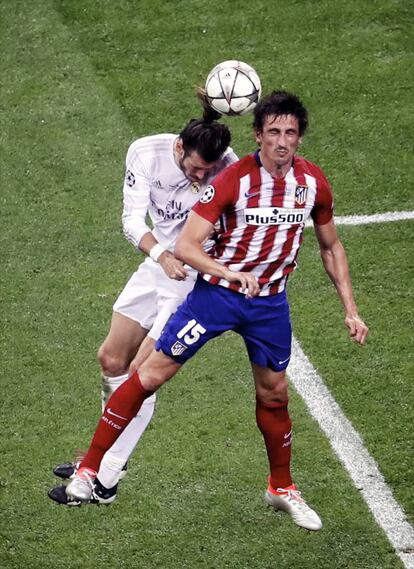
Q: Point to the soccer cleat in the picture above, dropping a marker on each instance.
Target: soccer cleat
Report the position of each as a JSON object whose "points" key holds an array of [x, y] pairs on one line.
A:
{"points": [[81, 485], [289, 500], [67, 470], [58, 494], [103, 495], [100, 495]]}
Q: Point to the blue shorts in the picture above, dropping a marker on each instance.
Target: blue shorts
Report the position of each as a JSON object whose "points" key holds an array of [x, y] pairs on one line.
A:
{"points": [[209, 310]]}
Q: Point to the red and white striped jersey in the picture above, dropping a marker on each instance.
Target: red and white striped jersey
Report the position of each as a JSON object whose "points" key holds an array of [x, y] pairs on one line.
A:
{"points": [[262, 218]]}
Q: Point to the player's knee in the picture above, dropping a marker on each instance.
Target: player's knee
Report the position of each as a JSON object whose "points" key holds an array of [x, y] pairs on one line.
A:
{"points": [[276, 393], [152, 378], [111, 364]]}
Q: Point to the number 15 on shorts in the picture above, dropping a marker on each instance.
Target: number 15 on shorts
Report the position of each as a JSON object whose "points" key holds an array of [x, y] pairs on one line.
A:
{"points": [[187, 335], [191, 332]]}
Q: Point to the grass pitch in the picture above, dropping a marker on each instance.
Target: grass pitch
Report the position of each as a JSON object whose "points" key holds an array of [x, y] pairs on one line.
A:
{"points": [[80, 81]]}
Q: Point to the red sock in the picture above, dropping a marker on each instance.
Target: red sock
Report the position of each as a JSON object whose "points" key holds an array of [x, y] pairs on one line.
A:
{"points": [[276, 427], [121, 408]]}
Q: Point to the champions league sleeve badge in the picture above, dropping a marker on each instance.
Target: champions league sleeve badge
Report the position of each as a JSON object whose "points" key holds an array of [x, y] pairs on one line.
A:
{"points": [[208, 194], [195, 187], [129, 178]]}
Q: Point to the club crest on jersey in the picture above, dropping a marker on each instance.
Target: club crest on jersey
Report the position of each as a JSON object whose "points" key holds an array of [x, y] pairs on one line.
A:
{"points": [[195, 187], [274, 215], [129, 178], [301, 193], [178, 348], [208, 194]]}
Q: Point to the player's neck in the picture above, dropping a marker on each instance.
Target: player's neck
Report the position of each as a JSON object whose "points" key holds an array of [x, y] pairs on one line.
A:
{"points": [[274, 169]]}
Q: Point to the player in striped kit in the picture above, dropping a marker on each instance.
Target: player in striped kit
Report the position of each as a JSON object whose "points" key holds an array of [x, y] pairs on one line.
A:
{"points": [[165, 176], [262, 203]]}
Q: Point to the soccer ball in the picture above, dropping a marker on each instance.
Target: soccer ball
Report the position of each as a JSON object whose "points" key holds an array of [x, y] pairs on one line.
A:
{"points": [[233, 88]]}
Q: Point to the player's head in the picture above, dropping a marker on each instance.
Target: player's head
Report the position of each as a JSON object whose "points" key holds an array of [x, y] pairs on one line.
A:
{"points": [[200, 145], [208, 138], [279, 122], [279, 104]]}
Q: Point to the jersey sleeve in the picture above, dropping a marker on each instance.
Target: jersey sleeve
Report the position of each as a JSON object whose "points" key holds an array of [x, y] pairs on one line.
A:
{"points": [[217, 196], [322, 211], [229, 157], [136, 190]]}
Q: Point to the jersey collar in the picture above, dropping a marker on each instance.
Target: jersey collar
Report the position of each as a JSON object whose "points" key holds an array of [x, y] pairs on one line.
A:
{"points": [[256, 156]]}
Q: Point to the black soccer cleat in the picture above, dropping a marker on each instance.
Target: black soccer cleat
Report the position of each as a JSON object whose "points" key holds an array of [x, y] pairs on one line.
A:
{"points": [[58, 494], [103, 495], [100, 495], [67, 470]]}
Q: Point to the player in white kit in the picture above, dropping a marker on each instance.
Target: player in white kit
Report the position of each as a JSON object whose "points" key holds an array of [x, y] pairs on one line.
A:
{"points": [[165, 175]]}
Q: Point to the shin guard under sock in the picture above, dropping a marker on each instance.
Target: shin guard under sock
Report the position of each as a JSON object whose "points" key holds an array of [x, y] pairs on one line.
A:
{"points": [[276, 427], [122, 407]]}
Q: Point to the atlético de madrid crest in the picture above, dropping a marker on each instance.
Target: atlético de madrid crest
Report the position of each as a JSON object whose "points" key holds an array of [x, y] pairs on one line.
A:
{"points": [[301, 194]]}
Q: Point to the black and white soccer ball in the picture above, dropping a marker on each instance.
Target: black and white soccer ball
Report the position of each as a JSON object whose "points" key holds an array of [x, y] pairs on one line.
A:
{"points": [[233, 88]]}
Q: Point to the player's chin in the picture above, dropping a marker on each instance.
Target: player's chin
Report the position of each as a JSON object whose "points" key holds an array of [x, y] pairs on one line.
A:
{"points": [[282, 160], [193, 178]]}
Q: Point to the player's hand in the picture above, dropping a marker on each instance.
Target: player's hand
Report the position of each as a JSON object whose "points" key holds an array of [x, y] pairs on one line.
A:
{"points": [[357, 328], [248, 282], [173, 268]]}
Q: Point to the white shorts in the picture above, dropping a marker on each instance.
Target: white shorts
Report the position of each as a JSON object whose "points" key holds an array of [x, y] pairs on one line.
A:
{"points": [[150, 297]]}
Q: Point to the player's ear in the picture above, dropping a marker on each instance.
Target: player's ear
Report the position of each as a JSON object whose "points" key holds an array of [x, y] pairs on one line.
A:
{"points": [[257, 136], [179, 148]]}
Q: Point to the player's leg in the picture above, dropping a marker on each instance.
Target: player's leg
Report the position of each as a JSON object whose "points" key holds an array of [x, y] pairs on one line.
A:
{"points": [[163, 296], [276, 427], [122, 407], [166, 307], [267, 334], [273, 420], [195, 322], [148, 300], [116, 352], [114, 459], [113, 464], [143, 352], [121, 344], [134, 313]]}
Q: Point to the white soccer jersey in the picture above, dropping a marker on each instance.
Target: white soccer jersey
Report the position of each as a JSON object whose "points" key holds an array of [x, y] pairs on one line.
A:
{"points": [[156, 186]]}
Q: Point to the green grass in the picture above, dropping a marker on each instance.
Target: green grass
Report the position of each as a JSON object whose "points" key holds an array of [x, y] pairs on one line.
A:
{"points": [[80, 80], [371, 384]]}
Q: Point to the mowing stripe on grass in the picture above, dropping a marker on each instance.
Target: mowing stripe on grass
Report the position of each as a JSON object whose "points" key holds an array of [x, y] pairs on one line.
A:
{"points": [[349, 447]]}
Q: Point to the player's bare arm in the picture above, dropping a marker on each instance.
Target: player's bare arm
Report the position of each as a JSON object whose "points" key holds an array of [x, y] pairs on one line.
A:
{"points": [[172, 266], [336, 265], [189, 249]]}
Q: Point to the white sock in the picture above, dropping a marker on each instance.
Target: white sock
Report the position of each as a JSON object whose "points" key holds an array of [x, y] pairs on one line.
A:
{"points": [[109, 385], [116, 457]]}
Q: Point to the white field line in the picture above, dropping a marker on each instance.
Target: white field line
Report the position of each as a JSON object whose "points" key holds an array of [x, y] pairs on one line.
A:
{"points": [[345, 440], [350, 449], [366, 219]]}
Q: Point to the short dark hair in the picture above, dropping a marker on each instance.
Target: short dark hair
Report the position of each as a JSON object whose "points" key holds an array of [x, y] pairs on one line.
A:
{"points": [[208, 138], [280, 103]]}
